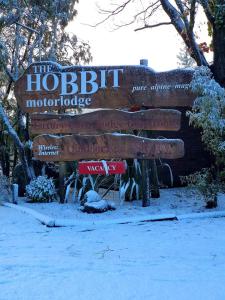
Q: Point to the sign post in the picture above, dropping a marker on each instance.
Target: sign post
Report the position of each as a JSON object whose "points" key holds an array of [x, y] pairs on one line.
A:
{"points": [[145, 168], [50, 87]]}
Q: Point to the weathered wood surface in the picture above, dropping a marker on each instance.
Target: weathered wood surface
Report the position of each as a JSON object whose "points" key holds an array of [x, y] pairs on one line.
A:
{"points": [[105, 146], [47, 86], [109, 120]]}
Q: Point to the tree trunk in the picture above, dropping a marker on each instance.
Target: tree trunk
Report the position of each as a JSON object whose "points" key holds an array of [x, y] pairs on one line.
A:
{"points": [[219, 43], [27, 169]]}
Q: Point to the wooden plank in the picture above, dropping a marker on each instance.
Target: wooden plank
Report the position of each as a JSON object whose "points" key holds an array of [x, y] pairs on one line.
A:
{"points": [[97, 167], [47, 86], [106, 121], [105, 146]]}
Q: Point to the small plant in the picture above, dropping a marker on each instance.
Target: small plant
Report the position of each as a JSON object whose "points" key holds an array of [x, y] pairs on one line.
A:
{"points": [[205, 184], [41, 189]]}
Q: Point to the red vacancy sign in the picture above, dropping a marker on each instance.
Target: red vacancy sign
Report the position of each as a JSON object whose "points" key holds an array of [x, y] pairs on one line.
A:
{"points": [[97, 167]]}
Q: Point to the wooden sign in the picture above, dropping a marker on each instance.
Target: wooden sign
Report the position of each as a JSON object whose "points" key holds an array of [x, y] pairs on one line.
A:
{"points": [[106, 121], [47, 86], [97, 167], [105, 146]]}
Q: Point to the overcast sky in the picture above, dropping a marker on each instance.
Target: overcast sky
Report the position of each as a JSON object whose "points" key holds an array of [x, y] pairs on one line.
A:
{"points": [[124, 46]]}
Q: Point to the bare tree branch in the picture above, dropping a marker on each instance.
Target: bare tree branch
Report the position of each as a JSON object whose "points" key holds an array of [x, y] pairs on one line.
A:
{"points": [[192, 15], [9, 74], [181, 23], [111, 13], [17, 142], [27, 27], [154, 25]]}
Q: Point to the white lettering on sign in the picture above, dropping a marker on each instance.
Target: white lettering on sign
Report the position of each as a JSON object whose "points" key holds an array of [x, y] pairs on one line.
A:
{"points": [[101, 168], [50, 150], [44, 79], [69, 78], [160, 87], [42, 68], [59, 102], [139, 88]]}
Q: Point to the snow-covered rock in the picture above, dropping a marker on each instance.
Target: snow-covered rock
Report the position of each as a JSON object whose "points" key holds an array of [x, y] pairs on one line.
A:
{"points": [[97, 207], [93, 203], [91, 196]]}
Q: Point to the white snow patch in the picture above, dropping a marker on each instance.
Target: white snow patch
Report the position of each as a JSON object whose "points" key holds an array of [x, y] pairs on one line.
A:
{"points": [[161, 260]]}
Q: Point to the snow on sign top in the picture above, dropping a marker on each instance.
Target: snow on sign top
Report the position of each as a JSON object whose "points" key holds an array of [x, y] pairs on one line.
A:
{"points": [[48, 86]]}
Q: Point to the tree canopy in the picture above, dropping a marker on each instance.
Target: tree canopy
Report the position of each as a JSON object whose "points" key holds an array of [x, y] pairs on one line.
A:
{"points": [[31, 30]]}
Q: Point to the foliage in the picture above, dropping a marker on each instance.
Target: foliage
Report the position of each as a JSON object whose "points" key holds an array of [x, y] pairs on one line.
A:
{"points": [[41, 189], [220, 15], [184, 58], [83, 183], [39, 32], [129, 184], [31, 30], [208, 112], [204, 183]]}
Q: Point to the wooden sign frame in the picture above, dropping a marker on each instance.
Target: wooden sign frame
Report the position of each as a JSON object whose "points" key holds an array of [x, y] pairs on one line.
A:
{"points": [[101, 121], [48, 86], [105, 146]]}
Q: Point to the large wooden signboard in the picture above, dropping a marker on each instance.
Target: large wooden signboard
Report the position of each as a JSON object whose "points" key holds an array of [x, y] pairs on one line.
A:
{"points": [[105, 146], [47, 86], [106, 121]]}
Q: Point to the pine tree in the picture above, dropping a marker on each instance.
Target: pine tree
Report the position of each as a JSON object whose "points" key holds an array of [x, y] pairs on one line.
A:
{"points": [[184, 60]]}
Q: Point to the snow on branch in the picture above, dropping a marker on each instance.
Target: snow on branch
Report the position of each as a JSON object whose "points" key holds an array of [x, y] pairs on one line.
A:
{"points": [[28, 28], [9, 127]]}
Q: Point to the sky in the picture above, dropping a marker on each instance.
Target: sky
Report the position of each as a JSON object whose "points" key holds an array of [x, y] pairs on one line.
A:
{"points": [[125, 46]]}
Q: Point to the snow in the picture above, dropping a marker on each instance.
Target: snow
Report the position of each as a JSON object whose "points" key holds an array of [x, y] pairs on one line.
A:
{"points": [[132, 261], [176, 201]]}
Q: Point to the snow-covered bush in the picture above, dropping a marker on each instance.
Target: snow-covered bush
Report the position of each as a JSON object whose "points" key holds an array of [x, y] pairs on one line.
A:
{"points": [[208, 112], [41, 189]]}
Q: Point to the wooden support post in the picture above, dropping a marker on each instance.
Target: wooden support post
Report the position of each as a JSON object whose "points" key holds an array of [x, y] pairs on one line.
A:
{"points": [[145, 183], [152, 163], [144, 168], [15, 193], [155, 193], [62, 171]]}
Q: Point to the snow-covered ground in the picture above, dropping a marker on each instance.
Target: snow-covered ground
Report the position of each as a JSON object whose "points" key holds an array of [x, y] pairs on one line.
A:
{"points": [[152, 260], [176, 201]]}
